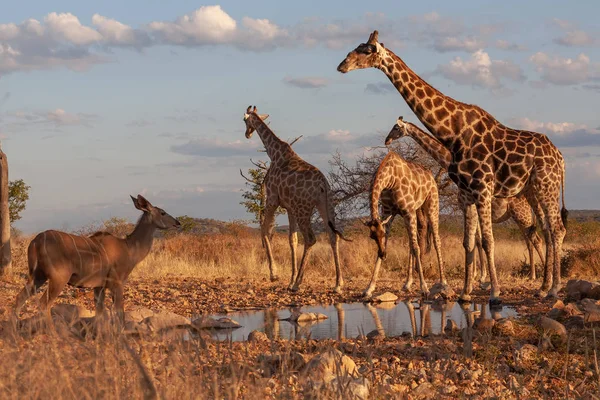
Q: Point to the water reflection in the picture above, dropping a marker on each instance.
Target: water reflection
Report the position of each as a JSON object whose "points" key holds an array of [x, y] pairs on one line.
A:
{"points": [[348, 320]]}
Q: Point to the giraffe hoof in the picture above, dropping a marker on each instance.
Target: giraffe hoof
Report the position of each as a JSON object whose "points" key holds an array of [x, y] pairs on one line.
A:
{"points": [[552, 294], [337, 290], [495, 301], [407, 286], [294, 289], [274, 278], [464, 298]]}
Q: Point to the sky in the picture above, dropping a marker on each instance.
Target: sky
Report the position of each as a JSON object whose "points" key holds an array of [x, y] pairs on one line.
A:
{"points": [[100, 100]]}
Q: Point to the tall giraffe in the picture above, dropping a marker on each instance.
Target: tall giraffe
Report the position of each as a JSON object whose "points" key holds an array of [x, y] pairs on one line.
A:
{"points": [[488, 160], [299, 187], [516, 207], [409, 187]]}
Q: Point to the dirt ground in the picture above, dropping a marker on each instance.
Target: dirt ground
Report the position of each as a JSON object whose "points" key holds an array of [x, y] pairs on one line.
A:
{"points": [[400, 367]]}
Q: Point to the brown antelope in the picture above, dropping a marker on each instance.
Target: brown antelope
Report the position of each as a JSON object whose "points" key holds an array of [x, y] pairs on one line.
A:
{"points": [[100, 261]]}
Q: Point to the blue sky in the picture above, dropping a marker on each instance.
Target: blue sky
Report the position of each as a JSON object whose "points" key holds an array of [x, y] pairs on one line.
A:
{"points": [[99, 100]]}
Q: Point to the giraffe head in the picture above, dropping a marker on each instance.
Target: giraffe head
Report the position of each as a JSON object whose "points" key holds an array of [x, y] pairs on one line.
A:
{"points": [[252, 118], [366, 55], [377, 232], [399, 130]]}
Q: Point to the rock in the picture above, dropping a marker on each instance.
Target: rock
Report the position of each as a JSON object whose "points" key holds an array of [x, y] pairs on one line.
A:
{"points": [[556, 313], [571, 309], [69, 313], [376, 335], [293, 361], [424, 391], [527, 352], [138, 314], [553, 327], [558, 304], [594, 292], [387, 296], [449, 389], [165, 320], [257, 336], [211, 323], [505, 327], [483, 325], [298, 316], [591, 310], [451, 326], [351, 388], [440, 291], [574, 322], [327, 366], [578, 288]]}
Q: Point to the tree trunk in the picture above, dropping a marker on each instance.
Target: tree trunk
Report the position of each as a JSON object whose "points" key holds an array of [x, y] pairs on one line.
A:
{"points": [[5, 257]]}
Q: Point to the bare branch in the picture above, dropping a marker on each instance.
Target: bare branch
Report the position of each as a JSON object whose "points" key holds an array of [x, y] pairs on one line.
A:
{"points": [[295, 140]]}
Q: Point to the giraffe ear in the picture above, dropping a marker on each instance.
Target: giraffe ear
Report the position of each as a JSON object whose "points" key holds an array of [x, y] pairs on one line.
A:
{"points": [[248, 109], [254, 109], [263, 116]]}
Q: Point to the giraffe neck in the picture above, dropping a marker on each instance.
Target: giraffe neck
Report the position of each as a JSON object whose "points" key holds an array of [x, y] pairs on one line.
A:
{"points": [[276, 148], [434, 109], [431, 145], [381, 181]]}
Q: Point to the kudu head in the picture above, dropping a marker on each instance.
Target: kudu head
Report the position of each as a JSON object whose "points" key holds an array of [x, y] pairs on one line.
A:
{"points": [[377, 232], [366, 55], [399, 130], [158, 216], [252, 119]]}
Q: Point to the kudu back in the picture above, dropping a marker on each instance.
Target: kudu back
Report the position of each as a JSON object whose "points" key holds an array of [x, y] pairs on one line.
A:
{"points": [[100, 261]]}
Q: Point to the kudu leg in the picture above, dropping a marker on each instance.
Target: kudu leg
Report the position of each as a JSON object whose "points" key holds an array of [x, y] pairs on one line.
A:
{"points": [[117, 295], [99, 295], [55, 286]]}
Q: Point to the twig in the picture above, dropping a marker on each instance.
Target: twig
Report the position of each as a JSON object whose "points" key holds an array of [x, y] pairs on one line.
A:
{"points": [[149, 387]]}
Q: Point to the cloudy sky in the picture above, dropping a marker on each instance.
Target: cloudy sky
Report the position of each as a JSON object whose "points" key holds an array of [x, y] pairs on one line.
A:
{"points": [[99, 100]]}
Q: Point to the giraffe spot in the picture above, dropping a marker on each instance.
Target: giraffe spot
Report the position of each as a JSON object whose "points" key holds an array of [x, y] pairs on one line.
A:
{"points": [[396, 76], [411, 86], [420, 93], [510, 145], [456, 122], [428, 103], [470, 116], [500, 153], [429, 90], [438, 101], [503, 172], [514, 158], [441, 113], [450, 106], [430, 119], [404, 75]]}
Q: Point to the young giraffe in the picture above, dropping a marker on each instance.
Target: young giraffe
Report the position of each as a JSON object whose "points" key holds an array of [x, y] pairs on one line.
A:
{"points": [[516, 208], [409, 187], [488, 160], [299, 187]]}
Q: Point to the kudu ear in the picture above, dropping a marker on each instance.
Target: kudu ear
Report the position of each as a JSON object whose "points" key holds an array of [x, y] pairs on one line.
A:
{"points": [[141, 203], [264, 116]]}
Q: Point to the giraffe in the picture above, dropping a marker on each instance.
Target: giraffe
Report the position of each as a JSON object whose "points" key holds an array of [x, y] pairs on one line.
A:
{"points": [[298, 187], [410, 187], [516, 208], [489, 160]]}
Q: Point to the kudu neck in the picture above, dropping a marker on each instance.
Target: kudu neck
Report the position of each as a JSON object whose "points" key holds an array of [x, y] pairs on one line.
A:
{"points": [[140, 240]]}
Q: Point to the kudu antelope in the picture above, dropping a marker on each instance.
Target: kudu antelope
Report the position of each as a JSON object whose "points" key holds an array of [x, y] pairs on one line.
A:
{"points": [[100, 261]]}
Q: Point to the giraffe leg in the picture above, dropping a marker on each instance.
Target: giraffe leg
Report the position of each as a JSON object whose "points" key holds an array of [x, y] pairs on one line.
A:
{"points": [[541, 216], [326, 212], [485, 220], [409, 276], [558, 232], [470, 229], [309, 242], [411, 224], [434, 213], [368, 292], [266, 230], [293, 238], [536, 242], [480, 256], [521, 214]]}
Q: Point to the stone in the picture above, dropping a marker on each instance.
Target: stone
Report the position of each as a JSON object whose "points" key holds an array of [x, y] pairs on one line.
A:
{"points": [[69, 313], [424, 391], [556, 313], [579, 289], [212, 323], [138, 314], [440, 291], [527, 352], [257, 336], [387, 296], [558, 304], [351, 389], [552, 326], [293, 361], [376, 335], [298, 316], [505, 327], [327, 366], [165, 320], [591, 310]]}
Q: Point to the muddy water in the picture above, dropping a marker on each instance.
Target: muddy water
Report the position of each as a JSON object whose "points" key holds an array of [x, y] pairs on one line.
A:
{"points": [[348, 320]]}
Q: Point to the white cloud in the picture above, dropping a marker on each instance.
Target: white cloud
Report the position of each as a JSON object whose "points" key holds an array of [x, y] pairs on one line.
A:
{"points": [[562, 134], [306, 82], [118, 34], [380, 88], [506, 45], [560, 128], [67, 27], [577, 38], [565, 71], [24, 120], [215, 147], [453, 43], [481, 70]]}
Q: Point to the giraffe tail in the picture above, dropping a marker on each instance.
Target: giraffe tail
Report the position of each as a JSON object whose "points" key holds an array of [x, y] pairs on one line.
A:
{"points": [[564, 213], [332, 226]]}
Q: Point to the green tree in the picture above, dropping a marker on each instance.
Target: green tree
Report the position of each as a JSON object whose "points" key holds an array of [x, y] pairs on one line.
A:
{"points": [[255, 196], [18, 194]]}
